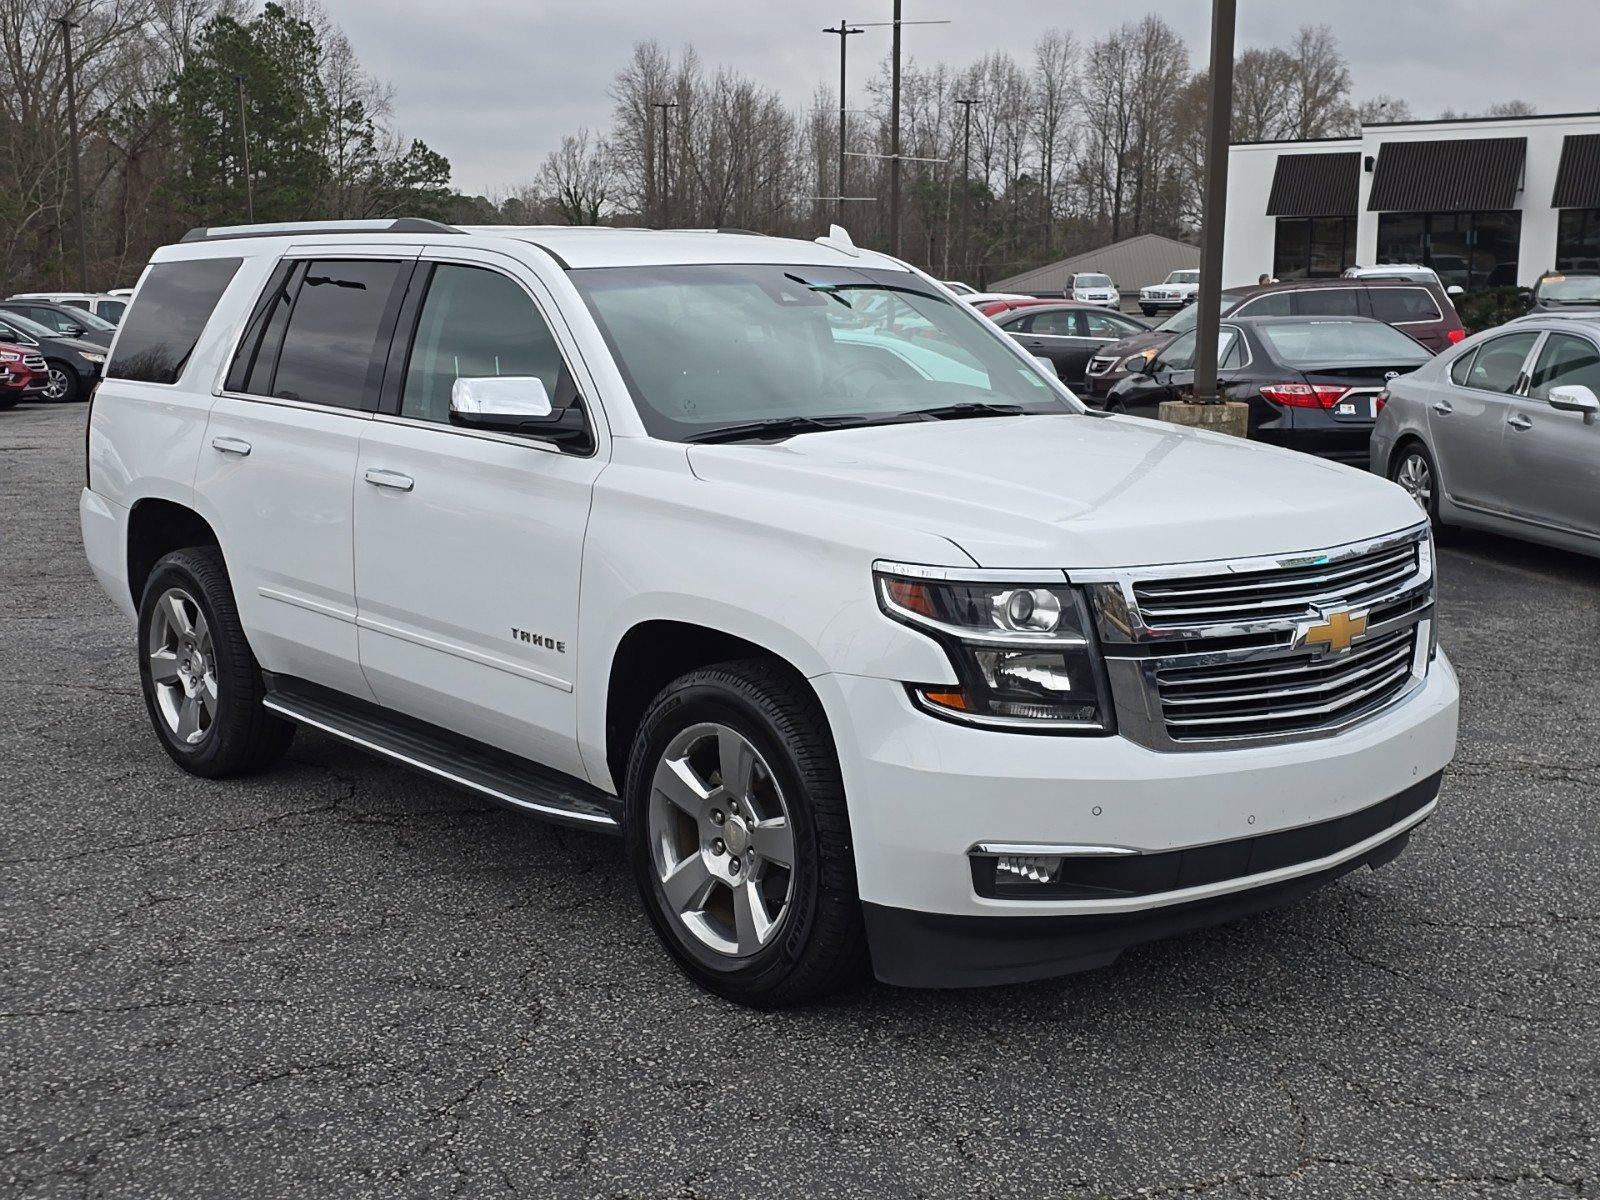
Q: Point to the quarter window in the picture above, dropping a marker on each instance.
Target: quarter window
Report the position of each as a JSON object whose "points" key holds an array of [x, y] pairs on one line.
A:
{"points": [[332, 332], [161, 330], [1398, 305], [1565, 359], [1460, 368], [474, 323], [1498, 364]]}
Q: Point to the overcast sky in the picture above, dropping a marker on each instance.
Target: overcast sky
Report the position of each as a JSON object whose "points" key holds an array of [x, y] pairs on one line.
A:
{"points": [[493, 84]]}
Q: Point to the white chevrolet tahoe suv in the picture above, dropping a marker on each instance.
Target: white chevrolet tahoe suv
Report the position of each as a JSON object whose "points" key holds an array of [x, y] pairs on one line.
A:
{"points": [[874, 644]]}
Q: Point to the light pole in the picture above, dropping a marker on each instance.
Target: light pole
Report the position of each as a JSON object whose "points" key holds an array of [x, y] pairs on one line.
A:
{"points": [[666, 143], [966, 165], [67, 26], [843, 32], [1208, 316], [244, 152]]}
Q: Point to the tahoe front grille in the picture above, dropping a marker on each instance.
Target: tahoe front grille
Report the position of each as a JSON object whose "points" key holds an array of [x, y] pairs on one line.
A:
{"points": [[1285, 693], [1214, 655], [1280, 592]]}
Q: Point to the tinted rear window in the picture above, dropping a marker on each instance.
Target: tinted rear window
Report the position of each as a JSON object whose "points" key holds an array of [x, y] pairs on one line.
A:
{"points": [[166, 320], [332, 332], [1330, 343], [1395, 305]]}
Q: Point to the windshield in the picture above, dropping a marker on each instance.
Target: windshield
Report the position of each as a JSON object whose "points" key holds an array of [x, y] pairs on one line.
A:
{"points": [[708, 347], [1331, 343], [1570, 289], [20, 323], [89, 320], [1184, 277], [1183, 320], [1089, 281]]}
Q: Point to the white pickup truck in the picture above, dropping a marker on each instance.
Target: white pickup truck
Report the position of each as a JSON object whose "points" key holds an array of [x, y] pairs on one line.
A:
{"points": [[874, 644], [1177, 290]]}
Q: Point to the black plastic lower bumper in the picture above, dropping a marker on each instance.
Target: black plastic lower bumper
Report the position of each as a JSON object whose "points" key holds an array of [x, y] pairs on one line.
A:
{"points": [[935, 950]]}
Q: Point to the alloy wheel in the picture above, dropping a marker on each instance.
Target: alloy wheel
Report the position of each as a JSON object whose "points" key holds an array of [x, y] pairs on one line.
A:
{"points": [[57, 386], [721, 841], [183, 668], [1416, 477]]}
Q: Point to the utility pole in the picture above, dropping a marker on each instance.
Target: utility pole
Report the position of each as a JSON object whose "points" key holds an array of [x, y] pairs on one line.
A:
{"points": [[666, 142], [844, 31], [244, 152], [894, 140], [67, 26], [1208, 316], [966, 163]]}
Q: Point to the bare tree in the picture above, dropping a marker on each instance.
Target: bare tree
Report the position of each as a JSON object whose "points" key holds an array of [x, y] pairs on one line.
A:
{"points": [[1319, 84], [578, 178]]}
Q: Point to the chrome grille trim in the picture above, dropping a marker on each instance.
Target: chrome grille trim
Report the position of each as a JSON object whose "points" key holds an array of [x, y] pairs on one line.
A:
{"points": [[1206, 656]]}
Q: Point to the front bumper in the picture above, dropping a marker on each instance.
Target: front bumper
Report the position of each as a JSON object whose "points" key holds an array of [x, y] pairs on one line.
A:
{"points": [[924, 792]]}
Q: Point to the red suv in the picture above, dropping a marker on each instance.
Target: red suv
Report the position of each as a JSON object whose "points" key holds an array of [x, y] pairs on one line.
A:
{"points": [[22, 371]]}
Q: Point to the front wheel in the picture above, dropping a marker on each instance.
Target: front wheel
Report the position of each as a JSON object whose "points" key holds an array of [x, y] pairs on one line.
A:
{"points": [[738, 837], [1148, 310], [63, 385]]}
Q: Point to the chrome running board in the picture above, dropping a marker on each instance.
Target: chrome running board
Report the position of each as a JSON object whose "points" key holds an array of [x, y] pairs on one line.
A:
{"points": [[491, 773]]}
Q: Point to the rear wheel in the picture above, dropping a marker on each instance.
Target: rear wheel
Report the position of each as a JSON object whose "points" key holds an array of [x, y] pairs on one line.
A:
{"points": [[738, 837], [63, 385], [201, 683]]}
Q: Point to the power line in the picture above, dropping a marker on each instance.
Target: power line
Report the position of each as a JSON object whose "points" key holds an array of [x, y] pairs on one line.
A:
{"points": [[666, 150]]}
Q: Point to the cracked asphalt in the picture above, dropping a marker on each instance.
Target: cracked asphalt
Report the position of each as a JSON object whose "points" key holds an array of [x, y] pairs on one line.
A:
{"points": [[343, 979]]}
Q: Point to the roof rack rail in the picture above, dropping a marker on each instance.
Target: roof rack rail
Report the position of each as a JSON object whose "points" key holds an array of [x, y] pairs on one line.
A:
{"points": [[749, 232], [299, 228]]}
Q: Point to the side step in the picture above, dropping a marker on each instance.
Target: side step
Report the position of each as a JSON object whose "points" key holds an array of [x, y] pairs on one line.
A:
{"points": [[503, 777]]}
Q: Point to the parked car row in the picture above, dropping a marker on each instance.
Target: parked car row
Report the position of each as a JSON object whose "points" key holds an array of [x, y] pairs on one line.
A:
{"points": [[72, 362], [107, 306]]}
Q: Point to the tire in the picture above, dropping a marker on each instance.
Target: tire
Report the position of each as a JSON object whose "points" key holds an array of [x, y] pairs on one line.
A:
{"points": [[1147, 309], [8, 400], [813, 942], [206, 705], [1414, 469], [64, 387]]}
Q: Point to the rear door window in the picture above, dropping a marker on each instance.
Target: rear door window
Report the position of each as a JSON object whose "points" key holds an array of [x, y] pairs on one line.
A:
{"points": [[1400, 305], [331, 336], [162, 327], [1058, 324], [1498, 365]]}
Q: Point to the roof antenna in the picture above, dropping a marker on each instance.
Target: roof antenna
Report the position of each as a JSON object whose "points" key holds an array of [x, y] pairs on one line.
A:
{"points": [[839, 239]]}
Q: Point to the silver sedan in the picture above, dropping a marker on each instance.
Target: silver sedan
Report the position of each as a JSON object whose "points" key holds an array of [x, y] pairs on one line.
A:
{"points": [[1503, 432]]}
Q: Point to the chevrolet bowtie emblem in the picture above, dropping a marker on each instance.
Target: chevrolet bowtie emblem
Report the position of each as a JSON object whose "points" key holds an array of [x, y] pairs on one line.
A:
{"points": [[1336, 633]]}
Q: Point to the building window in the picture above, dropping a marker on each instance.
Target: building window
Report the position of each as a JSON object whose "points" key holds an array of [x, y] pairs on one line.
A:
{"points": [[1578, 240], [1468, 249], [1313, 247]]}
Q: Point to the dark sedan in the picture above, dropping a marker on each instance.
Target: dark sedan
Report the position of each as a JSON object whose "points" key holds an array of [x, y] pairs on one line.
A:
{"points": [[1069, 335], [63, 320], [1312, 383], [74, 365]]}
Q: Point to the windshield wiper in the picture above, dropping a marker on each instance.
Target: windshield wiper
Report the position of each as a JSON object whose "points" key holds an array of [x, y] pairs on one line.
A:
{"points": [[970, 408], [781, 427]]}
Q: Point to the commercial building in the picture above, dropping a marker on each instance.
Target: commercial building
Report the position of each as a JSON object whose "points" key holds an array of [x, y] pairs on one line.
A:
{"points": [[1485, 202]]}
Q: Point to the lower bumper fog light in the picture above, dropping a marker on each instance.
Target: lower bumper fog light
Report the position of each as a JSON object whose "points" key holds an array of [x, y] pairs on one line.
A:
{"points": [[1034, 868]]}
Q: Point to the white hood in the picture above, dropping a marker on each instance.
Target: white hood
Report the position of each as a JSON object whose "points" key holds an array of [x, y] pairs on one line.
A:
{"points": [[1072, 491]]}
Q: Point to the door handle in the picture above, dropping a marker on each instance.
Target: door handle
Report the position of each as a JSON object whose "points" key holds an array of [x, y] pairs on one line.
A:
{"points": [[1518, 421], [379, 477], [1444, 408], [231, 445]]}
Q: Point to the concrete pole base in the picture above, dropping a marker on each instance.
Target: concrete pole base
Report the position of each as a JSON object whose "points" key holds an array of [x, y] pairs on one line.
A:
{"points": [[1232, 417]]}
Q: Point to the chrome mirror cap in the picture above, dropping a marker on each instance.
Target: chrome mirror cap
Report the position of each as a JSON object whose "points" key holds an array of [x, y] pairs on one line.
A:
{"points": [[1576, 398], [498, 396]]}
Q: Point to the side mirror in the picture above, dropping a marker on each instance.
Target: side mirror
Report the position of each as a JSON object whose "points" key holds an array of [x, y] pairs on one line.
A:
{"points": [[1576, 398], [1526, 296], [1455, 289], [517, 404], [74, 331], [1047, 365]]}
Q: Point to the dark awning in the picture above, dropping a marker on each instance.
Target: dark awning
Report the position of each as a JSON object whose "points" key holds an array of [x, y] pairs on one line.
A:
{"points": [[1456, 175], [1578, 178], [1315, 185]]}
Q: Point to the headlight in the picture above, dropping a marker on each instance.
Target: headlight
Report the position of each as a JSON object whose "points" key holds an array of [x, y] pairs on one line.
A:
{"points": [[94, 358], [1134, 360], [1023, 650], [10, 356]]}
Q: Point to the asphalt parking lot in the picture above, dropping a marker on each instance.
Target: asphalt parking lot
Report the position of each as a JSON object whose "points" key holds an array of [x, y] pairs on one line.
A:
{"points": [[341, 979]]}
